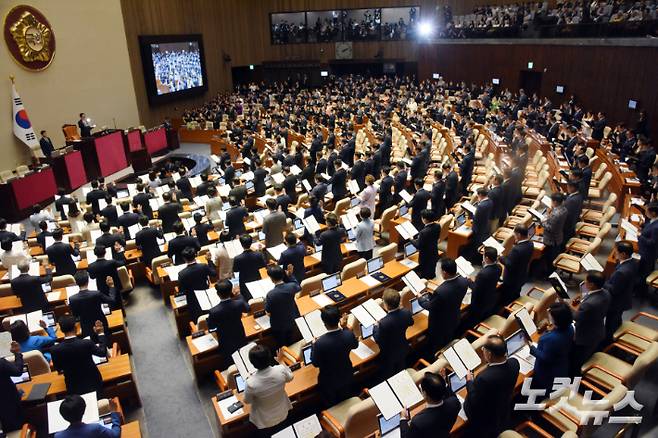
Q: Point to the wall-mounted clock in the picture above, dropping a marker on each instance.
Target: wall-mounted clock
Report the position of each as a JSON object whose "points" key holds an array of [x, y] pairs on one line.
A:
{"points": [[344, 50]]}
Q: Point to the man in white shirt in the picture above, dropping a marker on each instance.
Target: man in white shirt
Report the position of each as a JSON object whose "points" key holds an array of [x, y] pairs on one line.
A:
{"points": [[12, 256], [265, 392]]}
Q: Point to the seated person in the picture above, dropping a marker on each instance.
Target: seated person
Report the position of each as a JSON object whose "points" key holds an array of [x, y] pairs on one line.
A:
{"points": [[73, 408], [28, 342]]}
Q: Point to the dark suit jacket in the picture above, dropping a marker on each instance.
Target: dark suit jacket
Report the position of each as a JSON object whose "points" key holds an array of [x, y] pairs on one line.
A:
{"points": [[146, 239], [248, 264], [438, 193], [484, 294], [400, 181], [185, 187], [259, 181], [294, 256], [427, 243], [444, 310], [103, 268], [93, 197], [195, 276], [338, 184], [226, 317], [127, 220], [496, 196], [487, 403], [290, 186], [143, 200], [110, 214], [168, 214], [59, 254], [435, 422], [452, 183], [332, 258], [466, 169], [280, 304], [11, 414], [331, 354], [517, 263], [620, 285], [359, 173], [178, 244], [418, 204], [552, 357], [202, 231], [73, 357], [648, 242], [385, 194], [46, 146], [574, 205], [28, 289], [235, 221], [86, 305], [481, 218], [107, 240], [390, 336], [590, 328]]}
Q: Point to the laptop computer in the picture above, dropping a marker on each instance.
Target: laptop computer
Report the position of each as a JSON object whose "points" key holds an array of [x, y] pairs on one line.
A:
{"points": [[298, 224], [515, 342], [403, 210], [249, 185], [415, 306], [409, 249], [374, 266], [389, 428], [460, 220], [306, 354], [455, 382], [354, 202], [366, 332], [329, 285]]}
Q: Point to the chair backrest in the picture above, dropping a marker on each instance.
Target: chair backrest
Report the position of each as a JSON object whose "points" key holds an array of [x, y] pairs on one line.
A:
{"points": [[406, 295], [444, 222], [607, 215], [70, 132], [62, 281], [361, 419], [202, 322], [643, 362], [599, 170], [387, 253], [311, 284], [603, 182], [604, 230], [541, 306], [22, 170], [5, 290], [36, 362], [256, 305], [124, 277], [593, 247], [157, 261], [387, 217], [302, 200], [342, 206], [612, 199], [353, 269]]}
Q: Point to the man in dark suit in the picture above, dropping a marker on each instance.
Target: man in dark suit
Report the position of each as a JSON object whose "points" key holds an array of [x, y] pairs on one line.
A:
{"points": [[466, 167], [481, 220], [202, 189], [438, 194], [589, 317], [73, 357], [452, 185], [102, 268], [183, 184], [85, 127], [168, 212], [226, 318], [195, 276], [338, 181], [419, 203], [648, 245], [235, 217], [484, 289], [583, 165], [389, 333], [385, 194], [46, 145], [331, 354], [487, 402], [180, 242], [127, 219], [4, 234], [290, 184], [201, 229], [574, 205], [400, 181], [444, 305], [248, 265], [142, 199], [438, 416], [239, 190], [330, 239], [620, 285], [320, 187], [146, 240], [517, 264], [281, 306], [427, 243], [87, 304], [60, 254], [358, 172], [28, 288], [62, 201], [293, 256], [109, 212], [496, 195], [94, 196], [115, 241]]}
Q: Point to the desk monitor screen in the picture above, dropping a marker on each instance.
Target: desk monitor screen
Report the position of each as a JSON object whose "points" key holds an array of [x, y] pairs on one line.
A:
{"points": [[366, 332], [354, 202], [249, 185], [436, 76], [409, 249], [239, 383], [174, 66], [351, 234], [375, 264], [532, 229], [123, 193], [298, 224], [559, 89], [49, 319], [415, 306], [495, 81], [306, 353], [632, 104], [515, 342], [324, 73], [386, 426], [24, 377], [403, 210], [331, 282], [456, 383], [461, 220]]}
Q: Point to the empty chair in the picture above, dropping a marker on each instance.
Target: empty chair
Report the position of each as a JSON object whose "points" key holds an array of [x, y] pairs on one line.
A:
{"points": [[62, 281], [354, 269], [387, 253], [311, 284], [607, 371], [351, 418]]}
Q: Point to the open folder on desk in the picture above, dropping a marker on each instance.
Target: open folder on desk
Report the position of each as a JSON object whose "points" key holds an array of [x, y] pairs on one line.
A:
{"points": [[207, 298], [241, 360], [494, 244], [540, 217], [368, 313], [56, 423], [233, 248], [464, 267], [33, 270], [307, 428], [311, 326], [396, 393], [466, 205], [406, 196], [260, 288], [406, 230], [416, 284], [173, 271], [589, 263], [276, 251], [525, 321], [462, 357]]}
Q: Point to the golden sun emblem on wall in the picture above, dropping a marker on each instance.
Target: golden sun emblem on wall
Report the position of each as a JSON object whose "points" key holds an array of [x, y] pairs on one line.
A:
{"points": [[32, 38], [29, 37]]}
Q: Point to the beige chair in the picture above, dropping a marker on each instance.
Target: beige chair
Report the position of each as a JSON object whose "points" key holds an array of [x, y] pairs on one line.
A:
{"points": [[311, 284], [351, 418], [598, 191], [504, 326], [126, 279], [151, 272], [22, 170], [539, 299], [226, 379], [584, 229], [384, 224], [62, 281], [607, 371], [635, 335], [5, 290], [576, 245], [341, 207], [256, 305], [445, 222], [387, 253], [35, 361], [571, 263], [354, 269], [594, 215]]}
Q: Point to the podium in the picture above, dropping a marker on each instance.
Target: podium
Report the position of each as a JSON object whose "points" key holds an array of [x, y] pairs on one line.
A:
{"points": [[19, 194], [69, 170], [155, 140], [103, 153]]}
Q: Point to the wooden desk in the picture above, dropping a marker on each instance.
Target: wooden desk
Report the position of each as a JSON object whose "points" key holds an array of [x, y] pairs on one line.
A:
{"points": [[457, 238], [131, 430]]}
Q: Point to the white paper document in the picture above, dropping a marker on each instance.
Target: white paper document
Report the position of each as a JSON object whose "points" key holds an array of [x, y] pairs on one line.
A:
{"points": [[414, 282], [322, 300], [406, 230], [363, 351], [224, 404], [494, 244], [406, 196], [56, 423], [526, 321], [173, 271], [276, 251], [396, 393], [260, 288], [205, 342], [462, 357], [207, 299], [589, 263], [464, 267]]}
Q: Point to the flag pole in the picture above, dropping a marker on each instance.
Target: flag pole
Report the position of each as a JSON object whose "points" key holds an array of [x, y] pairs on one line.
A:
{"points": [[11, 78]]}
